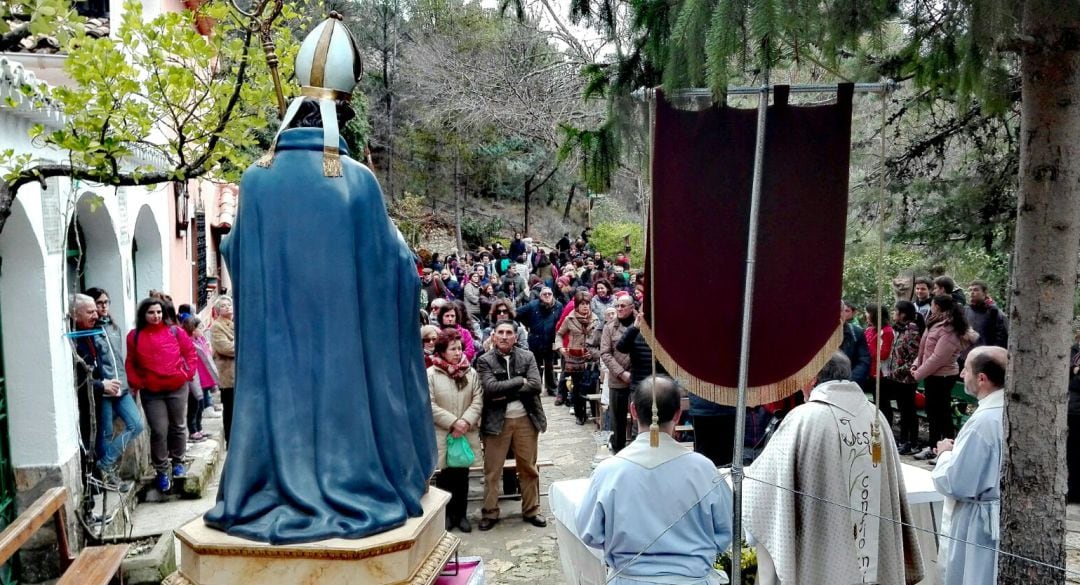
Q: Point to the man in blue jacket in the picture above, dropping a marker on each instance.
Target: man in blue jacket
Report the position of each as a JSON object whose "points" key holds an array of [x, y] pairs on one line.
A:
{"points": [[540, 317]]}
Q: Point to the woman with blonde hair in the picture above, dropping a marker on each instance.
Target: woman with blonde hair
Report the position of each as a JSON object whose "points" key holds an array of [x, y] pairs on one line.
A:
{"points": [[456, 403], [223, 342]]}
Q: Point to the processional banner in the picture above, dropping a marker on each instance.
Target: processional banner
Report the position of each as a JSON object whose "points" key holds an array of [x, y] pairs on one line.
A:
{"points": [[702, 174]]}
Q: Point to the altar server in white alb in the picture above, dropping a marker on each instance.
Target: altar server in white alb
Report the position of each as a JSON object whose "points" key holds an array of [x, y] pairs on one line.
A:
{"points": [[667, 494], [818, 507], [968, 474]]}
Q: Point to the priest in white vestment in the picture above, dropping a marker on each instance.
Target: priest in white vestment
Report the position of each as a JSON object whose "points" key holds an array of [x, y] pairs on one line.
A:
{"points": [[822, 451], [968, 474], [660, 514]]}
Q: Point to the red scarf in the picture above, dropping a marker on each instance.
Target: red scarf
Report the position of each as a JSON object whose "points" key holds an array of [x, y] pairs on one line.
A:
{"points": [[456, 371]]}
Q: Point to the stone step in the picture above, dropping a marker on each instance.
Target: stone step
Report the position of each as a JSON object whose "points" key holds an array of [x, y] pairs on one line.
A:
{"points": [[201, 460]]}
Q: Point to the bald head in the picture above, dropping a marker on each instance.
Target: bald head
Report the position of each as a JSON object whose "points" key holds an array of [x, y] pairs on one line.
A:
{"points": [[984, 370]]}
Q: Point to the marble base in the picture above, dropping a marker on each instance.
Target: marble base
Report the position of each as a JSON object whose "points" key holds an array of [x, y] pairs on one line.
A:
{"points": [[412, 554]]}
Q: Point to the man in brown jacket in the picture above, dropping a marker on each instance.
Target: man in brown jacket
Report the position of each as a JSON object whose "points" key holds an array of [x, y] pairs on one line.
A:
{"points": [[618, 367], [223, 342]]}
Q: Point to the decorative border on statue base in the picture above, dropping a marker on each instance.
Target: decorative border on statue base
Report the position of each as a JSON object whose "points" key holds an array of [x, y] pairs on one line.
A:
{"points": [[436, 561], [425, 575]]}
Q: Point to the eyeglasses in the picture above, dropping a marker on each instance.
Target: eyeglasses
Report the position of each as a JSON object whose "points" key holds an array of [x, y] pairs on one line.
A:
{"points": [[102, 303], [502, 312], [430, 339]]}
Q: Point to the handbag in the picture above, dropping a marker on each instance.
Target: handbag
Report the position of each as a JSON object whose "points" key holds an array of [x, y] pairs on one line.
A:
{"points": [[589, 378], [458, 452]]}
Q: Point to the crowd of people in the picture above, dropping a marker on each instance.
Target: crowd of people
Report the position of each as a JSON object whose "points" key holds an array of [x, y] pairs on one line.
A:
{"points": [[171, 363], [497, 323], [925, 339]]}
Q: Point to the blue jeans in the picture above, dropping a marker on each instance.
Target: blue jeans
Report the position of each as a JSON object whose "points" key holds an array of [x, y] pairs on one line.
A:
{"points": [[109, 446]]}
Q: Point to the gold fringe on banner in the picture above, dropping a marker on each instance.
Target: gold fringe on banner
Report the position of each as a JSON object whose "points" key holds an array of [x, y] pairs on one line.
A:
{"points": [[755, 395]]}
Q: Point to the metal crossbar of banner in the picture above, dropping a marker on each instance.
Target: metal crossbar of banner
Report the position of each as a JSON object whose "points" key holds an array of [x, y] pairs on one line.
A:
{"points": [[762, 92]]}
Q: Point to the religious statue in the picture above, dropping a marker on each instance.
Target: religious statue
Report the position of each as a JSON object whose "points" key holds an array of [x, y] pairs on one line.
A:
{"points": [[333, 434]]}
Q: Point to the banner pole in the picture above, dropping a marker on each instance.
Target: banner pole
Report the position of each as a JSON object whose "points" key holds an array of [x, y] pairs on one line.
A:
{"points": [[744, 344]]}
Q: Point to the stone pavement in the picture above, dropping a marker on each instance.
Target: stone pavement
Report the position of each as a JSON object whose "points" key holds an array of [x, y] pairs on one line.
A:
{"points": [[518, 553]]}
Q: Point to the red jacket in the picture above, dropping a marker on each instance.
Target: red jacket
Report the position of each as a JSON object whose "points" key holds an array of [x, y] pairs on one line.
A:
{"points": [[162, 360], [887, 337]]}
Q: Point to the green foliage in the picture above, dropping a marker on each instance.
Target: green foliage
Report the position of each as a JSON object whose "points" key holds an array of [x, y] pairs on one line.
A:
{"points": [[598, 151], [863, 271], [968, 264], [161, 78], [608, 239], [357, 131], [478, 231], [38, 17], [962, 264]]}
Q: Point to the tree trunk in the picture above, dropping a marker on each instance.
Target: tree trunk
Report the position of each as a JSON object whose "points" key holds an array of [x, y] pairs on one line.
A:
{"points": [[457, 203], [569, 201], [1044, 283], [528, 196]]}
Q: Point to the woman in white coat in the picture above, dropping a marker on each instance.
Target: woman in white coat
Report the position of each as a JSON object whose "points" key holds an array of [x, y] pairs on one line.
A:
{"points": [[456, 401]]}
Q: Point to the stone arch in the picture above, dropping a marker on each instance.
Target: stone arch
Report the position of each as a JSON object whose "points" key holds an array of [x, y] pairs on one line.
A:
{"points": [[27, 347], [146, 254], [102, 263]]}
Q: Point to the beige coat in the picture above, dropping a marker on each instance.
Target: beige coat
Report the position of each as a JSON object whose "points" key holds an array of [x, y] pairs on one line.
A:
{"points": [[449, 402], [616, 361], [223, 342]]}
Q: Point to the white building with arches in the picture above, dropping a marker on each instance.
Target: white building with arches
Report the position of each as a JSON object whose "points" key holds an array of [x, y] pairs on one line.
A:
{"points": [[61, 239]]}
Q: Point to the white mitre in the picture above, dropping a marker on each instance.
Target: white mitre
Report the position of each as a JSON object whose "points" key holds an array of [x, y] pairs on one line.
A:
{"points": [[328, 67]]}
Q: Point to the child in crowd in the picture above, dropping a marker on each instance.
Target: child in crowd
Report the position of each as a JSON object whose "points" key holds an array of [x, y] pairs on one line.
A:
{"points": [[206, 381]]}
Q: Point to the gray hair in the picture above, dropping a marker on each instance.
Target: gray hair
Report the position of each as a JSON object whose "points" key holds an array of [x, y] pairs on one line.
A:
{"points": [[837, 368], [79, 299], [221, 300]]}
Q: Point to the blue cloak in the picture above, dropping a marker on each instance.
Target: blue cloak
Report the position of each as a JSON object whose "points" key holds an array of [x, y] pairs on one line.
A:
{"points": [[332, 434]]}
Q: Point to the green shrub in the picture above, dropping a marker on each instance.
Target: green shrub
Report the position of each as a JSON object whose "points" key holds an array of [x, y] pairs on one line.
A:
{"points": [[608, 239]]}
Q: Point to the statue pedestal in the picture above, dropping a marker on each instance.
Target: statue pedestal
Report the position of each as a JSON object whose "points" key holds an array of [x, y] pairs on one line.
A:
{"points": [[412, 554]]}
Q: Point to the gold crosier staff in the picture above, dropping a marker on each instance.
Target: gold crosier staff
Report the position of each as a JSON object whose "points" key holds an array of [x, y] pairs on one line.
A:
{"points": [[261, 24]]}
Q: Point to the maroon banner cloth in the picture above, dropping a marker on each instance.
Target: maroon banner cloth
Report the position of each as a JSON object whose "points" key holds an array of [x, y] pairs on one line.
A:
{"points": [[702, 173]]}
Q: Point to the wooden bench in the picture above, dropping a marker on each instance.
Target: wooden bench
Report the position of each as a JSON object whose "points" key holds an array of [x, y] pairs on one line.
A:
{"points": [[95, 565], [507, 465]]}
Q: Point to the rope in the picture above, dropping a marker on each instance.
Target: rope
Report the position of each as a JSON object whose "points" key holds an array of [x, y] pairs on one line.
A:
{"points": [[654, 427], [875, 429]]}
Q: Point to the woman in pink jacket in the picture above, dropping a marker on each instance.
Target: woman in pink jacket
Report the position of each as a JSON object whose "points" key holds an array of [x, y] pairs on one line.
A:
{"points": [[448, 318], [160, 361], [947, 335]]}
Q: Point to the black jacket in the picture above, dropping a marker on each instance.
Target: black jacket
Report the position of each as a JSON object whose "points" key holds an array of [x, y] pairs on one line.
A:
{"points": [[504, 381], [989, 322], [634, 345], [856, 349], [540, 321]]}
